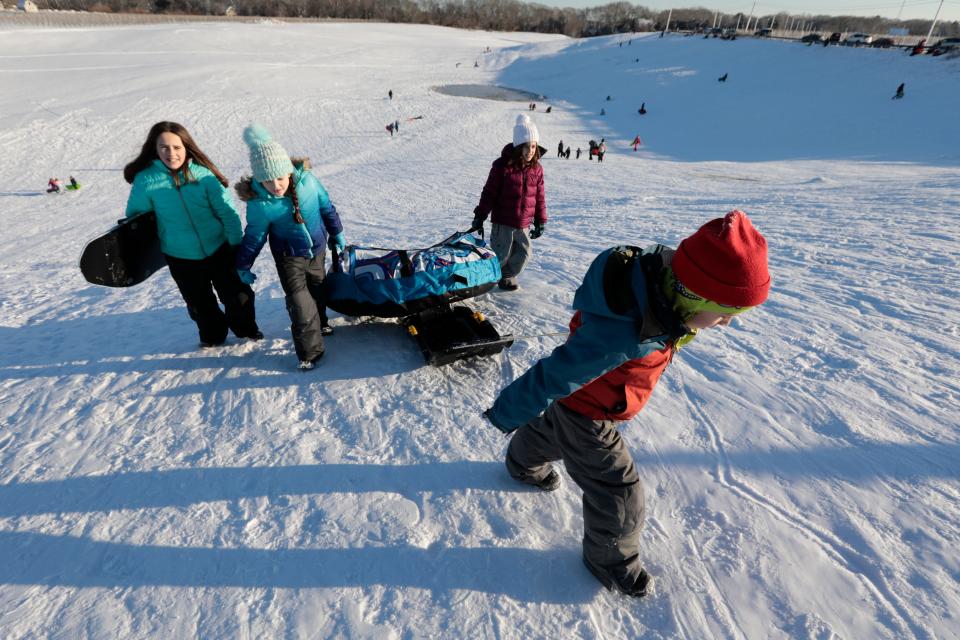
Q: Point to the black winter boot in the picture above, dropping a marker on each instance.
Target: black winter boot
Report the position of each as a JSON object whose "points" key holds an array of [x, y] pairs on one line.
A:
{"points": [[640, 587], [551, 482]]}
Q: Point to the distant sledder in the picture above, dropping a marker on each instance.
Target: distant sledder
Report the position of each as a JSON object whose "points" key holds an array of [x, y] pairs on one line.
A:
{"points": [[55, 186], [598, 149]]}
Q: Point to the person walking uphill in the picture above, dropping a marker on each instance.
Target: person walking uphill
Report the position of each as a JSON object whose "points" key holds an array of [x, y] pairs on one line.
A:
{"points": [[287, 205], [199, 230], [514, 194], [633, 311]]}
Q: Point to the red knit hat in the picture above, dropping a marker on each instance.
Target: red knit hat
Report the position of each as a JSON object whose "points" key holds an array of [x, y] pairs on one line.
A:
{"points": [[725, 261]]}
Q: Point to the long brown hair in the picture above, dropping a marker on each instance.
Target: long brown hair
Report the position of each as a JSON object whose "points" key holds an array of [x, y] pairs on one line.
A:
{"points": [[516, 157], [149, 153]]}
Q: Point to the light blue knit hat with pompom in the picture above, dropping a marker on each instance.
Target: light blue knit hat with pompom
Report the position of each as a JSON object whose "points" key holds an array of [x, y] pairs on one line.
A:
{"points": [[268, 159]]}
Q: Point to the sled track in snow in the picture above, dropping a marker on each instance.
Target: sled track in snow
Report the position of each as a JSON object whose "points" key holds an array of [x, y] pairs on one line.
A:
{"points": [[841, 553]]}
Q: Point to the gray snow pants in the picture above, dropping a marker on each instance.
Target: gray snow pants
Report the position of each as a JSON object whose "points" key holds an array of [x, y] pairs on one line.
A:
{"points": [[512, 247], [302, 282], [598, 461]]}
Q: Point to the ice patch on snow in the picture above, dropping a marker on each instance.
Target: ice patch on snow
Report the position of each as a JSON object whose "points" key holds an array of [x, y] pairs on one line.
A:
{"points": [[488, 92]]}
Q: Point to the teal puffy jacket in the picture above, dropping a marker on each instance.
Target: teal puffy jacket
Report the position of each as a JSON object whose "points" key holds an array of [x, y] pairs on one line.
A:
{"points": [[270, 216], [194, 220]]}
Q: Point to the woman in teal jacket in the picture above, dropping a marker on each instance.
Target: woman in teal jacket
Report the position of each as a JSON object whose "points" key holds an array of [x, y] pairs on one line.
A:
{"points": [[199, 230], [287, 204]]}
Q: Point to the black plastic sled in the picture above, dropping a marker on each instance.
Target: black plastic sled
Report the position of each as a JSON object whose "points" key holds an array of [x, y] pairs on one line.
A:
{"points": [[124, 256], [446, 334]]}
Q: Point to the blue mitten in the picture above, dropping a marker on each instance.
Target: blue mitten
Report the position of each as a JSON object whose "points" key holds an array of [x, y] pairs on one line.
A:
{"points": [[246, 276], [338, 242]]}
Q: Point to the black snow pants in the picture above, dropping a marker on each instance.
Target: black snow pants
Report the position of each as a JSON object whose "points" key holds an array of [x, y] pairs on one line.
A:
{"points": [[197, 280], [302, 282]]}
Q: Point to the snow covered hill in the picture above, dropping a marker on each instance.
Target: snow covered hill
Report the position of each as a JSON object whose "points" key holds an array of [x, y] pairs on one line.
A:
{"points": [[800, 467]]}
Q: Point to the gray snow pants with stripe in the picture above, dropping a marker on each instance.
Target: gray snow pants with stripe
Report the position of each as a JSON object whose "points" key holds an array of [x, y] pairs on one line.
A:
{"points": [[512, 247], [599, 462]]}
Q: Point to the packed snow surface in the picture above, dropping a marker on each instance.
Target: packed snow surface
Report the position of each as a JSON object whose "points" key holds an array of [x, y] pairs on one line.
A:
{"points": [[801, 467]]}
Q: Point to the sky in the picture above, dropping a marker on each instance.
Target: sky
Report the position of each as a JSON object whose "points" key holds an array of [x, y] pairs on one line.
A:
{"points": [[907, 9]]}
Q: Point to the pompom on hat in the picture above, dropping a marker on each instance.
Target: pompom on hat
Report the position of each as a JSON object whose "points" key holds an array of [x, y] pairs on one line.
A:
{"points": [[725, 261], [525, 131], [268, 159]]}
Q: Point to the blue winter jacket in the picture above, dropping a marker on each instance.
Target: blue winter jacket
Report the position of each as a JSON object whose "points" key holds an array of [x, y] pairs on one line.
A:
{"points": [[604, 341], [192, 221], [270, 216]]}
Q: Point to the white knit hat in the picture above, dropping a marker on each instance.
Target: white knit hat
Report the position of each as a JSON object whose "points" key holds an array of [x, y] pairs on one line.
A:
{"points": [[525, 131]]}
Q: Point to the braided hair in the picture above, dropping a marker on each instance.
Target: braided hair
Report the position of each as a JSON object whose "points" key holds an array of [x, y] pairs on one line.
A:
{"points": [[292, 192]]}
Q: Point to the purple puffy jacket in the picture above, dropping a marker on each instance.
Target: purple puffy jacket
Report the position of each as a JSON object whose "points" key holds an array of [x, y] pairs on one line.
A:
{"points": [[515, 196]]}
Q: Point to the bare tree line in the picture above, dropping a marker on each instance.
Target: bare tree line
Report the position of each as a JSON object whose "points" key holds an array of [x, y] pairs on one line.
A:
{"points": [[502, 15]]}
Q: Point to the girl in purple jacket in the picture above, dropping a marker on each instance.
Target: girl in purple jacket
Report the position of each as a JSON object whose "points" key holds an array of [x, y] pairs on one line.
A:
{"points": [[514, 194]]}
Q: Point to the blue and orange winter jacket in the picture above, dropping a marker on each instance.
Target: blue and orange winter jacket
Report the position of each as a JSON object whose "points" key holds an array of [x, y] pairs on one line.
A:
{"points": [[194, 220], [620, 393], [270, 216], [613, 358]]}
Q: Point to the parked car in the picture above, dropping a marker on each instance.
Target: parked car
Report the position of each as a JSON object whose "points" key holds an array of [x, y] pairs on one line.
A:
{"points": [[764, 32], [729, 33], [882, 43], [834, 38], [857, 39], [812, 37], [945, 45]]}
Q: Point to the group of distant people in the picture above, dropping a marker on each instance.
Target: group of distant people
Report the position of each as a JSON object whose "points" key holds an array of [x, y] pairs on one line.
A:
{"points": [[54, 186], [392, 127], [597, 149]]}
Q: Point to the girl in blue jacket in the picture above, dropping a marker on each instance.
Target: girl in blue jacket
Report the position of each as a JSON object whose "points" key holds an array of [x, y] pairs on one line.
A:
{"points": [[199, 230], [287, 205]]}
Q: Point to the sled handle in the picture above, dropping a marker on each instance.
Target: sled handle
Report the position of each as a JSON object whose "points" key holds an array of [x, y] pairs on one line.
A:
{"points": [[449, 240]]}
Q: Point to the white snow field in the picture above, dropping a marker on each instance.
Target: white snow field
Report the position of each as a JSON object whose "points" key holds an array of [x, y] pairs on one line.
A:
{"points": [[801, 467]]}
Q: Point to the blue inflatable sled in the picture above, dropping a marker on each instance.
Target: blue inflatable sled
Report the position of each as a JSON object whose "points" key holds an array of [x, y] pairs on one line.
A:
{"points": [[394, 283], [419, 286]]}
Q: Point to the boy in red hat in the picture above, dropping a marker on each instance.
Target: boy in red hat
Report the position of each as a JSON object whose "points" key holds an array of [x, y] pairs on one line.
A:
{"points": [[634, 309]]}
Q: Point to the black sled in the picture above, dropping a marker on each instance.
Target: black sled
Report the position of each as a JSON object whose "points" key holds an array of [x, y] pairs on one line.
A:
{"points": [[125, 255], [419, 286], [447, 334]]}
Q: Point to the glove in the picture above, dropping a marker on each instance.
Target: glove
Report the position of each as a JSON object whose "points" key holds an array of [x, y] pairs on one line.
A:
{"points": [[246, 276], [538, 228], [337, 242], [478, 220]]}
